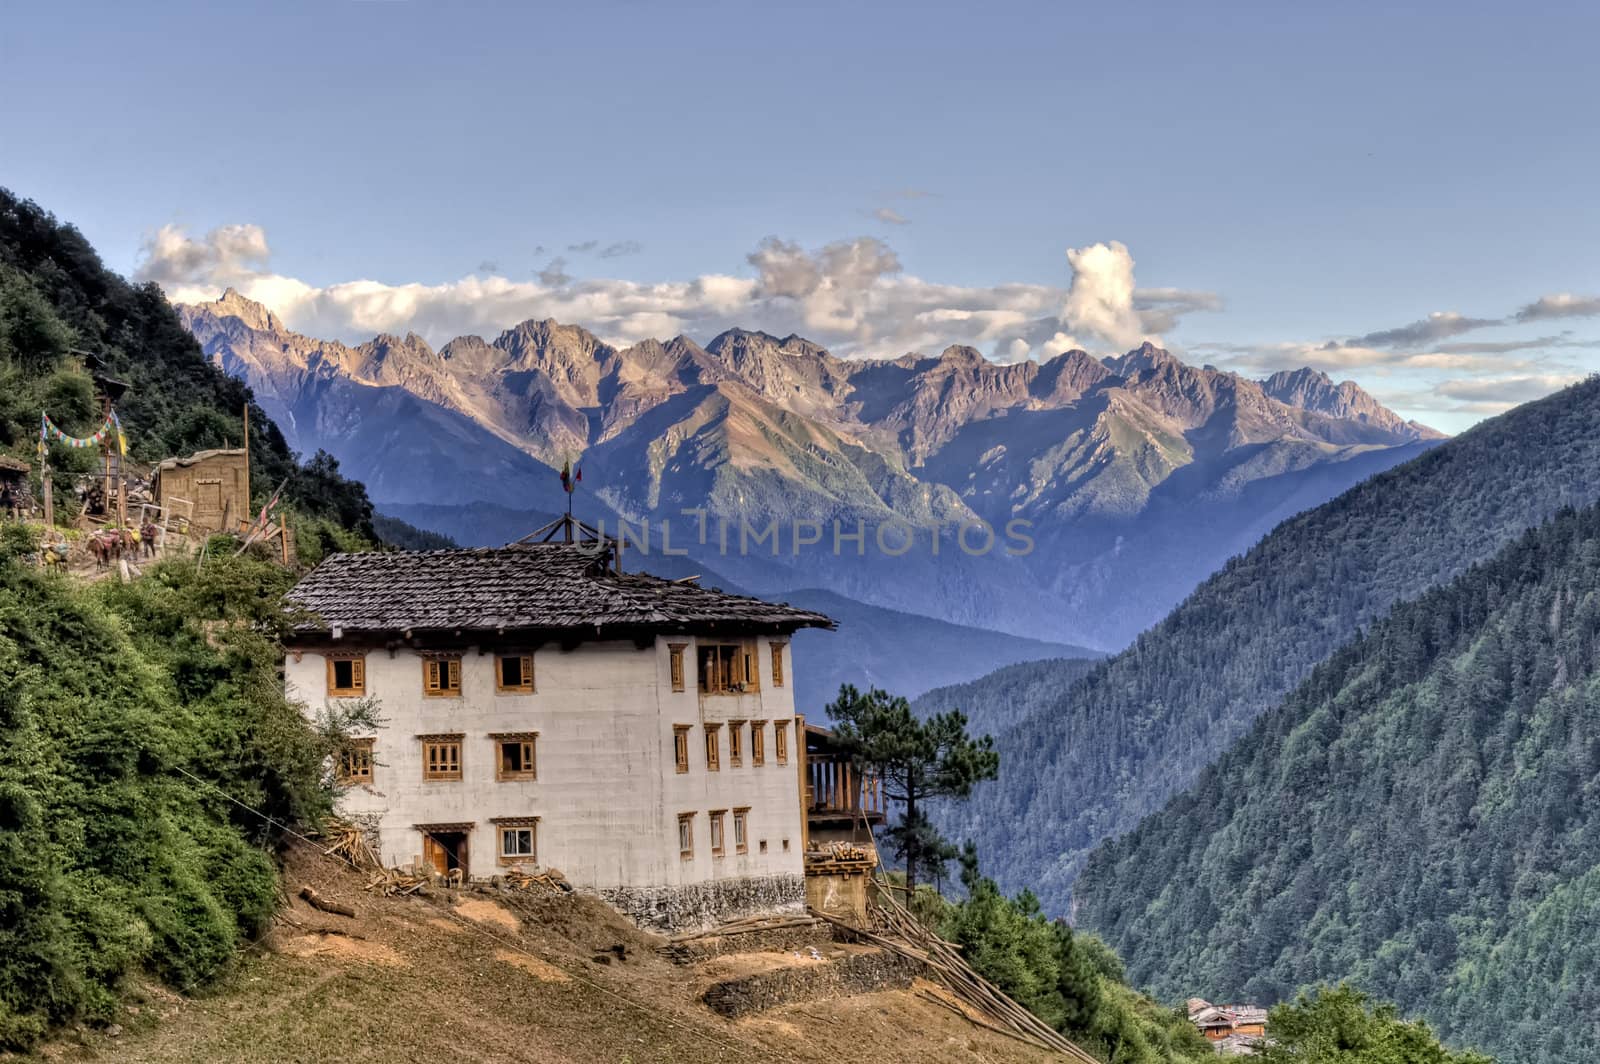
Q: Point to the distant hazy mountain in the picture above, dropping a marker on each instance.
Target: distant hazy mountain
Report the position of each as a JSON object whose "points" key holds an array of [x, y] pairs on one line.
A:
{"points": [[1107, 461], [900, 652]]}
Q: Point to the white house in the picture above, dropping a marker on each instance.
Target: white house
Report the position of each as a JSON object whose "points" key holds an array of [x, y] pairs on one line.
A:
{"points": [[541, 709]]}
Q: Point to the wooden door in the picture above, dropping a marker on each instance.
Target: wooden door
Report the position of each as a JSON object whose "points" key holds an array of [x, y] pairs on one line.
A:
{"points": [[445, 851]]}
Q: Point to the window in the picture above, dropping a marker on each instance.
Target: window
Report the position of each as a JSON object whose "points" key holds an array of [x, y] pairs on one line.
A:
{"points": [[758, 742], [735, 742], [513, 674], [713, 753], [355, 762], [728, 667], [685, 835], [680, 746], [741, 830], [763, 845], [516, 756], [780, 740], [675, 651], [441, 757], [785, 845], [777, 664], [347, 676], [516, 842], [441, 677], [717, 817], [519, 839]]}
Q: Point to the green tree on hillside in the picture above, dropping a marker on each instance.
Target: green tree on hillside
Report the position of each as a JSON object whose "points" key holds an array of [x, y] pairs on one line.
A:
{"points": [[1341, 1025], [1069, 979], [918, 761]]}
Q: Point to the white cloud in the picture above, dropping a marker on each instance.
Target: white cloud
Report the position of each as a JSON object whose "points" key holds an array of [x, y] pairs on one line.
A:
{"points": [[1439, 325], [852, 295], [1506, 391], [226, 253], [1561, 305], [1100, 300], [890, 216]]}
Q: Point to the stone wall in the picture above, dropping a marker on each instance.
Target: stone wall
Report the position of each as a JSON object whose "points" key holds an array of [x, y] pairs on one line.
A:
{"points": [[697, 906], [860, 973]]}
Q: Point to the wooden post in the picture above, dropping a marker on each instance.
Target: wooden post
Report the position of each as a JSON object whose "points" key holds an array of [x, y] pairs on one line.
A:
{"points": [[283, 531], [49, 492], [800, 760], [105, 414], [247, 500]]}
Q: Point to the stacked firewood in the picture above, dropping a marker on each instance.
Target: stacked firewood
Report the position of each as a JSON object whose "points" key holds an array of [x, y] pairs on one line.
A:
{"points": [[523, 881]]}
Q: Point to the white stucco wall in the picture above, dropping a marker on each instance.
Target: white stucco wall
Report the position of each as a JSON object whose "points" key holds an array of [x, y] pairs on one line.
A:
{"points": [[608, 793]]}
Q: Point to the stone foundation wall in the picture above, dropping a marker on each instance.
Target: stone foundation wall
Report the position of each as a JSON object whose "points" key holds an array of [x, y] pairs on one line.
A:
{"points": [[699, 906], [861, 973]]}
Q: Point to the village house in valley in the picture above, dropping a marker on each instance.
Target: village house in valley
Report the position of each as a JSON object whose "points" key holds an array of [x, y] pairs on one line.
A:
{"points": [[540, 708], [1235, 1030]]}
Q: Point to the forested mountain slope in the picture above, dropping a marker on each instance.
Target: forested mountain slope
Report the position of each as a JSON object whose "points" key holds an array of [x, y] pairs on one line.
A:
{"points": [[1091, 757], [1421, 816], [996, 702]]}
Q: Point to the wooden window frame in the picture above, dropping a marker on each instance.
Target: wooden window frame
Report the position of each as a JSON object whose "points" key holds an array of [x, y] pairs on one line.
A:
{"points": [[675, 664], [713, 747], [526, 687], [503, 824], [733, 670], [758, 743], [752, 667], [353, 756], [719, 832], [680, 746], [735, 743], [741, 830], [358, 675], [686, 836], [430, 775], [530, 743], [777, 664], [780, 741], [438, 672]]}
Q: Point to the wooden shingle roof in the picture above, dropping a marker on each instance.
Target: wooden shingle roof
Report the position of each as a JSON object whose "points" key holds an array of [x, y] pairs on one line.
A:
{"points": [[544, 587]]}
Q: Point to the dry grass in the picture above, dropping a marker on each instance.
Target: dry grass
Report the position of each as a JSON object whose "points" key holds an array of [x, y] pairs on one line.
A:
{"points": [[509, 979]]}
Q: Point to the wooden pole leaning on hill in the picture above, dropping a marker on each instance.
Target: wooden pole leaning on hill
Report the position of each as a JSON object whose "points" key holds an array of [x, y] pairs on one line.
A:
{"points": [[902, 934], [317, 901]]}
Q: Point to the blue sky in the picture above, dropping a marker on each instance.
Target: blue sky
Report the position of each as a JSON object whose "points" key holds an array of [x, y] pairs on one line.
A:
{"points": [[1274, 179]]}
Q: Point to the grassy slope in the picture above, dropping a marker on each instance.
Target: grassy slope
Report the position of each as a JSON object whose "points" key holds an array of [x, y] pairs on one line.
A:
{"points": [[423, 983]]}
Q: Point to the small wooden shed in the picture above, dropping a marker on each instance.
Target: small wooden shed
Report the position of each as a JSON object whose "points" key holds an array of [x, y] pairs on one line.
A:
{"points": [[210, 488]]}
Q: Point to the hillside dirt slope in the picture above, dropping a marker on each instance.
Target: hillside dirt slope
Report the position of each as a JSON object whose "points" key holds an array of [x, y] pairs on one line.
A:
{"points": [[491, 978]]}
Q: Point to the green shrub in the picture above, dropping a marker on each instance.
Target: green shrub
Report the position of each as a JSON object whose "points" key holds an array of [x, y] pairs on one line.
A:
{"points": [[111, 858]]}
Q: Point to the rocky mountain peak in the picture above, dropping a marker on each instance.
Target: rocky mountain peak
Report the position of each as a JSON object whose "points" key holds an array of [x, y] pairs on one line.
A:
{"points": [[961, 355], [233, 305], [1145, 358], [1310, 389]]}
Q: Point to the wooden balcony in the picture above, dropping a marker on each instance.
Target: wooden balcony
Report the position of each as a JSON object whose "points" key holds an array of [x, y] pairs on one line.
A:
{"points": [[837, 790]]}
